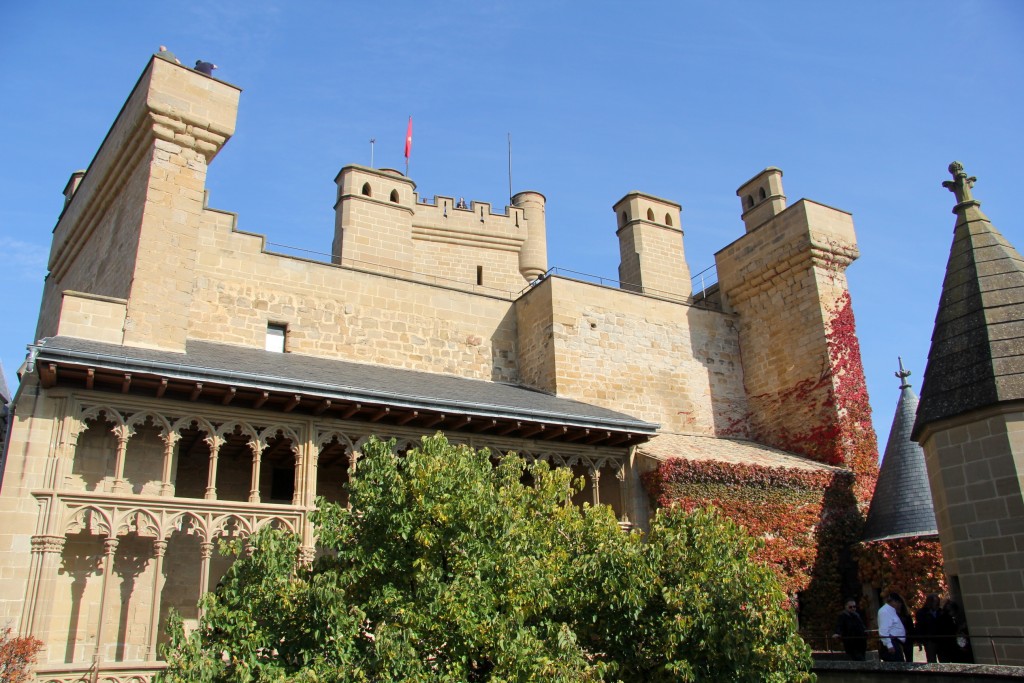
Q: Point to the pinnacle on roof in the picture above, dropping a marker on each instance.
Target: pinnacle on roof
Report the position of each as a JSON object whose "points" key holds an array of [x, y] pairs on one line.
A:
{"points": [[977, 352], [902, 504]]}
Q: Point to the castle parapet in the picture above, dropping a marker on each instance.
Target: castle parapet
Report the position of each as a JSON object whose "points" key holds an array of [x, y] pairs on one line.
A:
{"points": [[380, 220]]}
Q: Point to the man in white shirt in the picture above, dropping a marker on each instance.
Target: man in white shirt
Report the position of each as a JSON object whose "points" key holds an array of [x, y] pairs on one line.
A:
{"points": [[891, 632]]}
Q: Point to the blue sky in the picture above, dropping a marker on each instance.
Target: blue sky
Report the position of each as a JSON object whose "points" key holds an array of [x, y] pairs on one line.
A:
{"points": [[862, 104]]}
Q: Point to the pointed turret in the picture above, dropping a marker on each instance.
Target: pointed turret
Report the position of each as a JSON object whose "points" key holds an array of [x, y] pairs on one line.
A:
{"points": [[969, 425], [902, 503], [977, 352]]}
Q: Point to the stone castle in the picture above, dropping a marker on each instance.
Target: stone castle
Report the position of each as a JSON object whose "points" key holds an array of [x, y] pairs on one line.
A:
{"points": [[189, 385]]}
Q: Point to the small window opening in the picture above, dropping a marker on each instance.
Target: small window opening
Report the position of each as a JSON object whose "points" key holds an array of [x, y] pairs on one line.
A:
{"points": [[366, 190], [749, 201], [394, 196], [624, 218], [276, 334], [479, 275], [668, 219], [650, 214], [762, 195], [282, 484]]}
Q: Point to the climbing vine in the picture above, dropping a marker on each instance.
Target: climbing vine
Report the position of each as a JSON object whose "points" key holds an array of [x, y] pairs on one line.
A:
{"points": [[911, 567], [809, 521], [803, 518]]}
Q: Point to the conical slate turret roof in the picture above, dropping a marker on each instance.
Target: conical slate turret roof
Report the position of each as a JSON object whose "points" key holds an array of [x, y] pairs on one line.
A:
{"points": [[902, 504], [977, 352]]}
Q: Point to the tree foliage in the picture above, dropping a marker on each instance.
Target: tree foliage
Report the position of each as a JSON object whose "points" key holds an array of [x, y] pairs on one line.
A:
{"points": [[450, 567], [17, 654]]}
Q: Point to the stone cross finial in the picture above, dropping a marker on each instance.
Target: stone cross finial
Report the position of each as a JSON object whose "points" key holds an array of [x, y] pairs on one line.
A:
{"points": [[903, 374], [960, 185]]}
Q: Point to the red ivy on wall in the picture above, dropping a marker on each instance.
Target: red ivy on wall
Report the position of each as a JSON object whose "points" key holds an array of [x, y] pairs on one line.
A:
{"points": [[809, 521], [911, 567]]}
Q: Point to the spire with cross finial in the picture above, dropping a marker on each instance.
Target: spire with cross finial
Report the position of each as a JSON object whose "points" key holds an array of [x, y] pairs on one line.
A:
{"points": [[961, 184], [903, 374]]}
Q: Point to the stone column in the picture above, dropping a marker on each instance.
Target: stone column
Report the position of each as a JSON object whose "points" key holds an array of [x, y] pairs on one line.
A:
{"points": [[257, 460], [595, 485], [159, 549], [122, 434], [299, 478], [46, 552], [171, 440], [620, 476], [205, 553], [211, 477], [109, 549]]}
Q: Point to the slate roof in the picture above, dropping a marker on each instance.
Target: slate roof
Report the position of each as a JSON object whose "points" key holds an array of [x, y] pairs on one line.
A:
{"points": [[977, 351], [736, 451], [902, 504], [343, 380]]}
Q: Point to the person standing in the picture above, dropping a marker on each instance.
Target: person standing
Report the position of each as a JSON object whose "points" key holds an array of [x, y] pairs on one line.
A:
{"points": [[850, 627], [926, 627], [891, 632]]}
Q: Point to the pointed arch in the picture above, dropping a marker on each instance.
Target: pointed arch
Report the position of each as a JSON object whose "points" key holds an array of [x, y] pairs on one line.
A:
{"points": [[276, 523], [272, 431], [244, 428], [138, 521], [135, 420], [87, 519], [324, 439], [110, 415], [201, 423], [230, 526], [188, 523]]}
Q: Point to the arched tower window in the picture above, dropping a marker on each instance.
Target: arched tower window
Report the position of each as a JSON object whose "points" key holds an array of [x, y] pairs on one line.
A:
{"points": [[668, 219], [762, 195], [623, 219], [650, 214], [749, 201], [394, 196], [366, 190]]}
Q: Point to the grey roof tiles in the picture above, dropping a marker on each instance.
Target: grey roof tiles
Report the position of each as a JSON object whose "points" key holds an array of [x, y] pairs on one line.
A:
{"points": [[341, 379], [977, 352], [902, 503]]}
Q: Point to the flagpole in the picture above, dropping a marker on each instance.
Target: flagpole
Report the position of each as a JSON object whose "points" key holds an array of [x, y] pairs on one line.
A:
{"points": [[372, 140], [510, 169]]}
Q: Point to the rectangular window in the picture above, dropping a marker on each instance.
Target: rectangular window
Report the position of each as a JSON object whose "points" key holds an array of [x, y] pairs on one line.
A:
{"points": [[275, 337], [479, 275]]}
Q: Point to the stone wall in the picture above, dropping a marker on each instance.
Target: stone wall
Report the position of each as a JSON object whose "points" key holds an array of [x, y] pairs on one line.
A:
{"points": [[785, 279], [975, 467], [336, 312], [661, 361]]}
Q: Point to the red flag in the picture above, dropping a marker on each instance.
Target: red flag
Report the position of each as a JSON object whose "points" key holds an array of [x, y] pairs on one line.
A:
{"points": [[408, 139]]}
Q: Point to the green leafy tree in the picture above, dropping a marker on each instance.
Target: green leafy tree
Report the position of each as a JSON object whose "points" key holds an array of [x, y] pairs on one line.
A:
{"points": [[450, 567]]}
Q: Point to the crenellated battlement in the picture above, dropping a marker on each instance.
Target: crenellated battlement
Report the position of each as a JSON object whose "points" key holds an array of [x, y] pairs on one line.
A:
{"points": [[381, 219]]}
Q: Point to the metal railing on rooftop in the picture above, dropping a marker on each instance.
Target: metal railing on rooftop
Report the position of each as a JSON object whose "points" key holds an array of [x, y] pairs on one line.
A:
{"points": [[703, 281]]}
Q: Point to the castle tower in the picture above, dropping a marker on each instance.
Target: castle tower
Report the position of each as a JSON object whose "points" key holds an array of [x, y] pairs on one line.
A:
{"points": [[533, 255], [970, 423], [762, 197], [785, 279], [143, 193], [373, 218], [651, 246]]}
